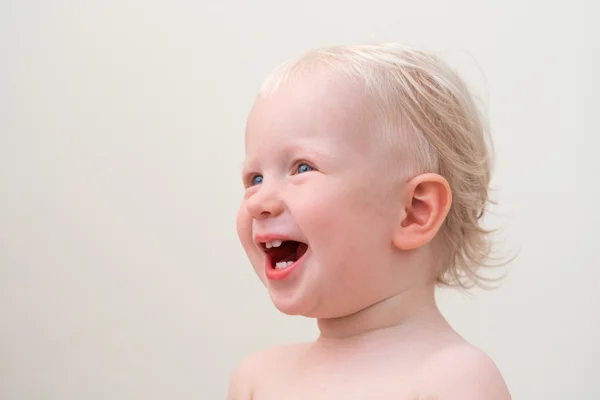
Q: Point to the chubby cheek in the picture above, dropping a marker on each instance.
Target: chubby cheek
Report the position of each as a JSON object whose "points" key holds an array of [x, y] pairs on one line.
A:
{"points": [[244, 230], [346, 229]]}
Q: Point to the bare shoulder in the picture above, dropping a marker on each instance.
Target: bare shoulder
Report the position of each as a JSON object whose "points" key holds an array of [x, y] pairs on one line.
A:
{"points": [[464, 372], [249, 372]]}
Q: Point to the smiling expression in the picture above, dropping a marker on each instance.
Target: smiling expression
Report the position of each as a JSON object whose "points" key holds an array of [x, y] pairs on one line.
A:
{"points": [[318, 212]]}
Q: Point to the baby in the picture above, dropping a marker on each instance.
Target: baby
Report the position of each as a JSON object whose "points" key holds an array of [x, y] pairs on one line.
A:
{"points": [[366, 177]]}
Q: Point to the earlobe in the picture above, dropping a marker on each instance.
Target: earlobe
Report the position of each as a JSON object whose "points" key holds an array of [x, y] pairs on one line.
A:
{"points": [[427, 201]]}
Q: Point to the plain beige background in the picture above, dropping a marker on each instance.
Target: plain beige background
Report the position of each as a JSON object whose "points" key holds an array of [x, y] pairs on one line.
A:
{"points": [[121, 139]]}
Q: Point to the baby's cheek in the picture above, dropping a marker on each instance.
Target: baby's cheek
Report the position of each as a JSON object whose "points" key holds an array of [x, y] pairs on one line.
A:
{"points": [[244, 229], [243, 222], [316, 215]]}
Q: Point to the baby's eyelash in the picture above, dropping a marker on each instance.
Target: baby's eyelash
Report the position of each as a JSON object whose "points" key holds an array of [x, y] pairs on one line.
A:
{"points": [[299, 163], [251, 179], [248, 179]]}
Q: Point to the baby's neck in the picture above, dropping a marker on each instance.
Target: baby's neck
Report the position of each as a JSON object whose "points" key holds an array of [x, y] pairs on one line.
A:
{"points": [[400, 313]]}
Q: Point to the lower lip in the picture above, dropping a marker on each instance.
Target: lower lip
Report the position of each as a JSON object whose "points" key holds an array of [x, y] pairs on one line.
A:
{"points": [[280, 274]]}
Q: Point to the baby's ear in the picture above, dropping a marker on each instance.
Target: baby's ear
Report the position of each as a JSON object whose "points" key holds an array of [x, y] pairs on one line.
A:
{"points": [[427, 200]]}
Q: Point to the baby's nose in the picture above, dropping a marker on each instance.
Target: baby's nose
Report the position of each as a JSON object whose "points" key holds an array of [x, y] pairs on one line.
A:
{"points": [[264, 203]]}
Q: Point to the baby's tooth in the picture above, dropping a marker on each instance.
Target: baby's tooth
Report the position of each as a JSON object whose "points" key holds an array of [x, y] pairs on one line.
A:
{"points": [[276, 243], [280, 265], [283, 264], [268, 245]]}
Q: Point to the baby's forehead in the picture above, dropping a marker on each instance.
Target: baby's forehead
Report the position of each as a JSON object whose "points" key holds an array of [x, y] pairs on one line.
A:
{"points": [[307, 122], [313, 101]]}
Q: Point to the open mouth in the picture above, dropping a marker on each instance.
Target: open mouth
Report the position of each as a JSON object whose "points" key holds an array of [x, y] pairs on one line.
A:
{"points": [[284, 253]]}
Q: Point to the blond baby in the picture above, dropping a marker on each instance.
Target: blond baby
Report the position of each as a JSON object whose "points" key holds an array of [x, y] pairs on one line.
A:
{"points": [[366, 178]]}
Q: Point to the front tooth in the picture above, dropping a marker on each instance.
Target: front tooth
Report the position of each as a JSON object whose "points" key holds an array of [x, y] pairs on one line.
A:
{"points": [[276, 243], [268, 245]]}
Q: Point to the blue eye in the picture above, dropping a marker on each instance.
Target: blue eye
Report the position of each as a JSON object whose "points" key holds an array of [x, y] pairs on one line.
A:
{"points": [[257, 180], [304, 168]]}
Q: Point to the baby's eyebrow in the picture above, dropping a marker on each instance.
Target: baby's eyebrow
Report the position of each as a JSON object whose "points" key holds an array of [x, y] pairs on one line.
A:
{"points": [[297, 151], [246, 168], [286, 154]]}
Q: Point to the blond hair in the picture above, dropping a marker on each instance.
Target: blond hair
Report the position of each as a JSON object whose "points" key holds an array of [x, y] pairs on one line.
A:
{"points": [[447, 135]]}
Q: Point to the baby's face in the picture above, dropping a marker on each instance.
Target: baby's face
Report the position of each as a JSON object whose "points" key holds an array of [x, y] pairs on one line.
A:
{"points": [[318, 212]]}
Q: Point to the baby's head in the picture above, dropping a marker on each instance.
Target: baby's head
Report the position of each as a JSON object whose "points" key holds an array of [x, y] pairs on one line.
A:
{"points": [[366, 175]]}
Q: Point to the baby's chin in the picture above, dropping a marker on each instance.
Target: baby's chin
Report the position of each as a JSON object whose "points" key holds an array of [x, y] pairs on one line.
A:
{"points": [[307, 304], [297, 302]]}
